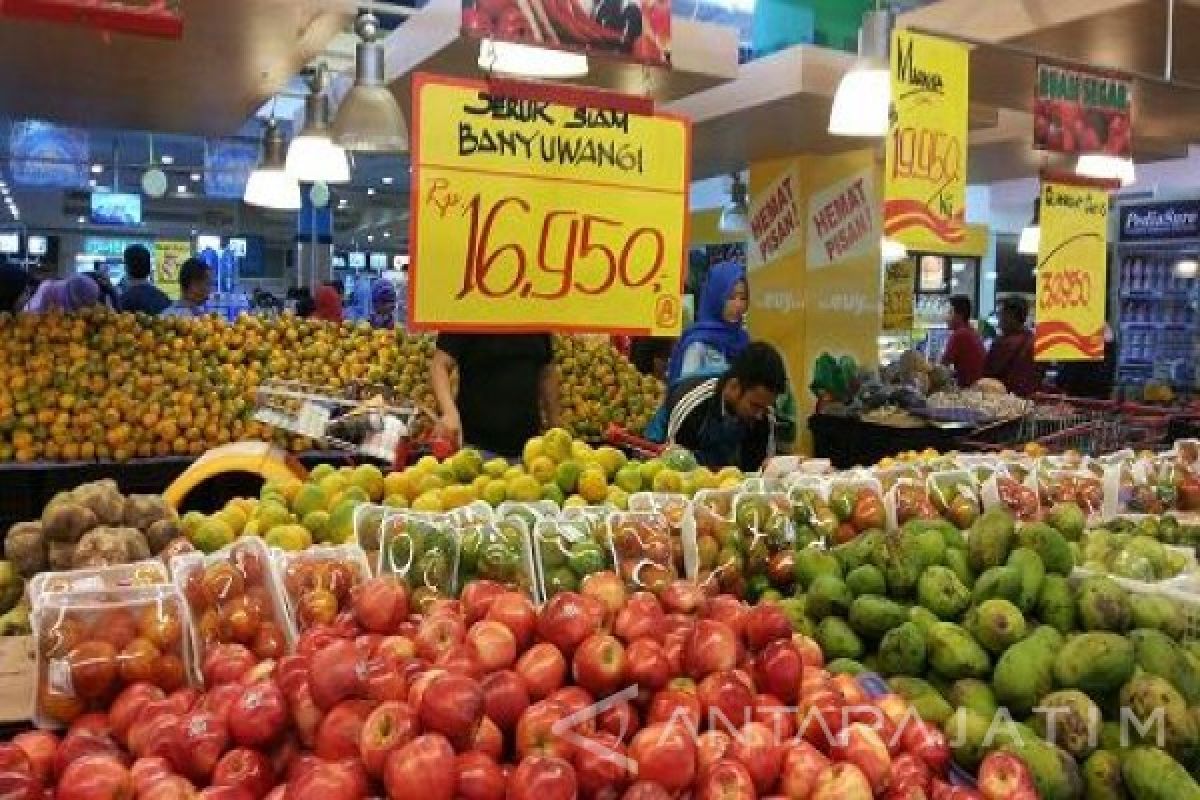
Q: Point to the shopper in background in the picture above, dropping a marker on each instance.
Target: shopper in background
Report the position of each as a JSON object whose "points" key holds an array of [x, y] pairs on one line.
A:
{"points": [[306, 306], [328, 304], [142, 295], [718, 335], [507, 389], [383, 305], [15, 286], [72, 294], [964, 351], [730, 420], [195, 285], [1010, 359], [651, 355]]}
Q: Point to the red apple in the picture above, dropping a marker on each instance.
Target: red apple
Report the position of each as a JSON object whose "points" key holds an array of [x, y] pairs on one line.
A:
{"points": [[646, 790], [220, 699], [860, 745], [343, 780], [676, 707], [419, 682], [647, 664], [424, 769], [39, 747], [609, 589], [437, 634], [567, 620], [257, 718], [389, 727], [726, 701], [766, 623], [712, 647], [380, 603], [728, 609], [601, 762], [535, 732], [453, 707], [306, 716], [599, 664], [226, 663], [809, 650], [665, 754], [491, 645], [642, 616], [479, 777], [203, 737], [802, 763], [81, 745], [245, 769], [477, 597], [851, 691], [778, 670], [756, 748], [1003, 776], [711, 747], [619, 720], [542, 778], [909, 776], [819, 718], [925, 742], [95, 778], [335, 674], [505, 698], [383, 679], [683, 597], [777, 716], [515, 611], [841, 782], [340, 732], [457, 659], [543, 669], [15, 785], [726, 780]]}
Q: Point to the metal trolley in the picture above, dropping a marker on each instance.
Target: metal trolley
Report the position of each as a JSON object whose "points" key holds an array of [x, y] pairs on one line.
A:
{"points": [[1058, 423], [366, 420]]}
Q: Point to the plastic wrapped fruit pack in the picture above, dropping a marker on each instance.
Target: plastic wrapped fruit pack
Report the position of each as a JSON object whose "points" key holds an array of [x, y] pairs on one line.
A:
{"points": [[856, 500], [760, 553], [814, 519], [422, 550], [529, 513], [91, 645], [907, 500], [642, 544], [1081, 487], [317, 582], [674, 508], [99, 579], [500, 552], [368, 525], [232, 599], [566, 553], [1148, 486], [1017, 493], [955, 495]]}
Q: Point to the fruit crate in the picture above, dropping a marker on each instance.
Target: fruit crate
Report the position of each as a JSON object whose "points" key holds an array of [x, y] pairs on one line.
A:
{"points": [[113, 578]]}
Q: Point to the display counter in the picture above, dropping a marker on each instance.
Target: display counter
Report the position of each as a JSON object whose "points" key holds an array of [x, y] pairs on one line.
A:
{"points": [[848, 441]]}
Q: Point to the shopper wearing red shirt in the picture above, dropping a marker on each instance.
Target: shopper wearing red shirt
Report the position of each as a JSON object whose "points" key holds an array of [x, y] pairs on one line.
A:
{"points": [[1010, 359], [964, 351]]}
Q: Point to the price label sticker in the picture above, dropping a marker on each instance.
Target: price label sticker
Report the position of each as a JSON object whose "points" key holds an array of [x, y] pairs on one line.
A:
{"points": [[382, 445], [536, 215], [312, 420]]}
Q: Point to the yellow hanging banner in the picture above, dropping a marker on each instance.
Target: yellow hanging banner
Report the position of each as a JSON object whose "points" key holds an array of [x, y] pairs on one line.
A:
{"points": [[926, 172], [1072, 272], [545, 213]]}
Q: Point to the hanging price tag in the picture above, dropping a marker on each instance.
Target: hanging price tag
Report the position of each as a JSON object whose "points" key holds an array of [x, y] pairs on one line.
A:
{"points": [[382, 445], [312, 421]]}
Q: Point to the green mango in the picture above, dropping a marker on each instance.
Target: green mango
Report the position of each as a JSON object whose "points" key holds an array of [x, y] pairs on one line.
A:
{"points": [[1029, 566], [1095, 663], [902, 651], [1151, 774], [1056, 605], [871, 616], [940, 591], [954, 654]]}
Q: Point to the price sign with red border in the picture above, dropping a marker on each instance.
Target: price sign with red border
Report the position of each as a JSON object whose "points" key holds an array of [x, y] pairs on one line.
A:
{"points": [[545, 213]]}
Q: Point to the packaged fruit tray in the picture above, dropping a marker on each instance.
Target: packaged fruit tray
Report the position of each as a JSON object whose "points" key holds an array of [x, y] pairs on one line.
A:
{"points": [[1019, 494], [472, 513], [856, 500], [906, 500], [566, 551], [1178, 605], [151, 572], [529, 512], [317, 582], [955, 496], [422, 550], [1134, 557], [1079, 486], [232, 598], [675, 509], [642, 545], [91, 645], [368, 525], [762, 549], [498, 551]]}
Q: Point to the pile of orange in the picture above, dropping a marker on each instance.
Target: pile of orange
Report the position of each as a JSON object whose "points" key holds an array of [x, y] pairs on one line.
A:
{"points": [[99, 385]]}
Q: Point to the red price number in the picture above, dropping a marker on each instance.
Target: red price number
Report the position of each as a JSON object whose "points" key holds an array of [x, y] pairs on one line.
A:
{"points": [[573, 252], [925, 154], [1065, 288]]}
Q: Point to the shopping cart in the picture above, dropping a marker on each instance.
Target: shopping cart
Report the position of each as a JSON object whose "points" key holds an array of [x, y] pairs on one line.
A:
{"points": [[632, 444], [1056, 423], [366, 420]]}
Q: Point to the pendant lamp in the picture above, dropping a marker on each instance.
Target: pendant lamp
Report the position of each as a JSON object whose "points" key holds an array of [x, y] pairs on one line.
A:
{"points": [[270, 185], [370, 119]]}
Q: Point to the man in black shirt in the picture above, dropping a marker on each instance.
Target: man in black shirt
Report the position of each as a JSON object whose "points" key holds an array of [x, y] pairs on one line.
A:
{"points": [[507, 389], [730, 421]]}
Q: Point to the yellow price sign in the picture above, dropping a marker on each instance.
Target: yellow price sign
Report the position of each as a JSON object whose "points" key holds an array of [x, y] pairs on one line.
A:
{"points": [[538, 215], [1072, 271]]}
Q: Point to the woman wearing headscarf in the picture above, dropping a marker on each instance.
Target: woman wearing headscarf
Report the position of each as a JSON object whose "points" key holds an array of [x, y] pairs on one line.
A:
{"points": [[74, 293], [718, 336], [328, 304], [383, 305]]}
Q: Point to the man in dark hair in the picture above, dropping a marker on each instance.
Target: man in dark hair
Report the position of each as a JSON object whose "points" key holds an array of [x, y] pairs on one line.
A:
{"points": [[1010, 359], [195, 284], [142, 295], [730, 420], [964, 351]]}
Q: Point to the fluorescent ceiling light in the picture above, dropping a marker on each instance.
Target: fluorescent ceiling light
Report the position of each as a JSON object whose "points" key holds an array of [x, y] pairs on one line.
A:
{"points": [[369, 118], [735, 216], [388, 180], [860, 106], [1187, 267], [1107, 167], [168, 160], [270, 185], [181, 189], [371, 191], [313, 157], [97, 169], [529, 61], [195, 176]]}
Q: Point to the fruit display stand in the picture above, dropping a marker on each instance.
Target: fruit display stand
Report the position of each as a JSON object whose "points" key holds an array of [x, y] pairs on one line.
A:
{"points": [[849, 441]]}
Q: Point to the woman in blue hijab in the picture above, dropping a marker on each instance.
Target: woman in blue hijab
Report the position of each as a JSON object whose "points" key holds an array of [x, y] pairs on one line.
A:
{"points": [[718, 335]]}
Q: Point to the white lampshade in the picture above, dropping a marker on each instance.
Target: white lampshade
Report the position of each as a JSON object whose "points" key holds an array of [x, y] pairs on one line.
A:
{"points": [[316, 159], [892, 250], [860, 106], [1107, 167], [1031, 239], [273, 188], [511, 58]]}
